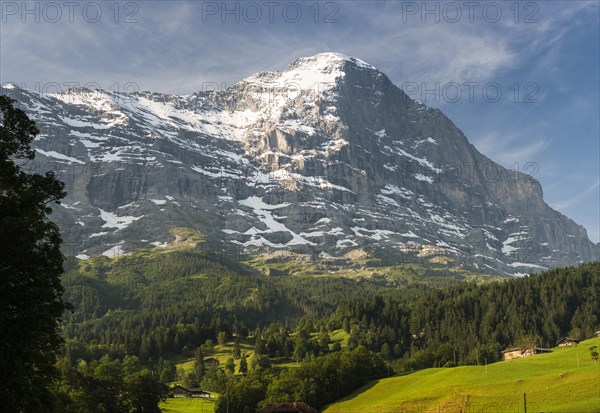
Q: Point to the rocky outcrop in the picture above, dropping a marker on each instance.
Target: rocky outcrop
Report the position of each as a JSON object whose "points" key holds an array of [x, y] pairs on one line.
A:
{"points": [[324, 157]]}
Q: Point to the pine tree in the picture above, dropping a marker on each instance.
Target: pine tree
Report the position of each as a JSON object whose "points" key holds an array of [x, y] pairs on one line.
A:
{"points": [[31, 264], [243, 365], [222, 338], [199, 369], [230, 365], [386, 352], [236, 349]]}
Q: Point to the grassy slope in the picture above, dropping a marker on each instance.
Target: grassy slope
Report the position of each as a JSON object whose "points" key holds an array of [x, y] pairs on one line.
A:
{"points": [[221, 353], [185, 361], [499, 387], [357, 266]]}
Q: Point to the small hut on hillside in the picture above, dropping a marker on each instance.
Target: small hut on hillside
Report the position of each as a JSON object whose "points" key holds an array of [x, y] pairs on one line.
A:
{"points": [[567, 341], [519, 352]]}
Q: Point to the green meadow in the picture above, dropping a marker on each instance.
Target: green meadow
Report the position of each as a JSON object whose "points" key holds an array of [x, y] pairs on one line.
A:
{"points": [[566, 380], [188, 405]]}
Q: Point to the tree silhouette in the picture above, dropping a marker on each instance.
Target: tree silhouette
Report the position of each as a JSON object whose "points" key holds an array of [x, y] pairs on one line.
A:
{"points": [[31, 264]]}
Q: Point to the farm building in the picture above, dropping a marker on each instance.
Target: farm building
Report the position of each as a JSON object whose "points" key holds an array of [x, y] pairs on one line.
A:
{"points": [[518, 352], [296, 407], [567, 341], [211, 361], [180, 391], [197, 392]]}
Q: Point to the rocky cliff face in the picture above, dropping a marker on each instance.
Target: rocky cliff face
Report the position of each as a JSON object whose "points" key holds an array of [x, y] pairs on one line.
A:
{"points": [[324, 157]]}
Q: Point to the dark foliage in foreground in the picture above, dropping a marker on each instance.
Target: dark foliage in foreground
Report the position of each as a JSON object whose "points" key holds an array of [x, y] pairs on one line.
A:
{"points": [[30, 267]]}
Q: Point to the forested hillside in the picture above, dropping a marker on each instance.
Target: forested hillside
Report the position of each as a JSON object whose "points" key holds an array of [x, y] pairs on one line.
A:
{"points": [[152, 303], [467, 321], [156, 305]]}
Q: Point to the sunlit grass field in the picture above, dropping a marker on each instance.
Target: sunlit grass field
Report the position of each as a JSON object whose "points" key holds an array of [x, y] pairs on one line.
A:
{"points": [[188, 405], [567, 380]]}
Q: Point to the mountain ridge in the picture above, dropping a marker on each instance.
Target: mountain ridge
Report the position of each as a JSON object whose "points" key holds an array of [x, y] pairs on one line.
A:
{"points": [[327, 155]]}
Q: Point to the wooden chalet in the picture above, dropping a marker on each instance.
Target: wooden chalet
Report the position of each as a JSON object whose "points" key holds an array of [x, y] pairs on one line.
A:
{"points": [[198, 392], [567, 341], [211, 361], [296, 407], [180, 391], [518, 352]]}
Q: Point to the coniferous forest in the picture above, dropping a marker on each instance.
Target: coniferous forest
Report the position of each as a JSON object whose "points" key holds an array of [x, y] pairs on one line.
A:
{"points": [[151, 307]]}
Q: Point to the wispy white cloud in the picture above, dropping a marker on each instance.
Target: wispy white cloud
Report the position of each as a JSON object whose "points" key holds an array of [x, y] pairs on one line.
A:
{"points": [[509, 148], [171, 50], [578, 197]]}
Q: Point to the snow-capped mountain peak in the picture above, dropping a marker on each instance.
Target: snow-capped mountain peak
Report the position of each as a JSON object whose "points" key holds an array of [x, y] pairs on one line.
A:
{"points": [[321, 71], [325, 60], [325, 156]]}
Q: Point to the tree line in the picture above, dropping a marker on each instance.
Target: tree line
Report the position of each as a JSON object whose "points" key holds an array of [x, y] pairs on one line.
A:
{"points": [[467, 323]]}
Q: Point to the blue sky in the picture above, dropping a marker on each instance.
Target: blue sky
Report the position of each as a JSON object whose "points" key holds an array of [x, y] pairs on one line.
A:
{"points": [[542, 56]]}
